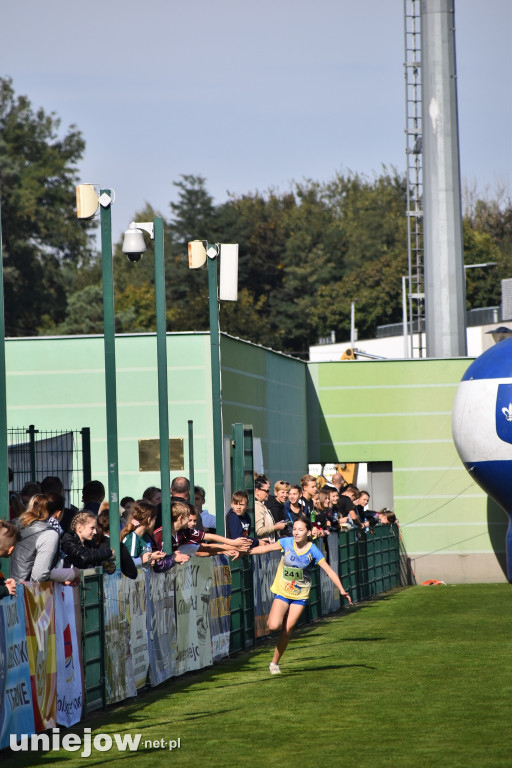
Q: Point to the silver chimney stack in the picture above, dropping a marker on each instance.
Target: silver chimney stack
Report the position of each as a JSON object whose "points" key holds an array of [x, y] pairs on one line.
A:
{"points": [[445, 293]]}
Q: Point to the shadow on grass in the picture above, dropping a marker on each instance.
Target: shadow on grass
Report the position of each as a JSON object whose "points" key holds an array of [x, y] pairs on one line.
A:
{"points": [[326, 667]]}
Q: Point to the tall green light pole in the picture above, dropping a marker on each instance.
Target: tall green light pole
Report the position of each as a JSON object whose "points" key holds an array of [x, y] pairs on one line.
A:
{"points": [[200, 251], [4, 454], [163, 396], [218, 447], [87, 203], [134, 247], [110, 369]]}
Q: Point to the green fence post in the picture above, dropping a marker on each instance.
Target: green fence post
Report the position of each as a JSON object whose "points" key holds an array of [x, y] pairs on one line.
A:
{"points": [[93, 641], [86, 455], [191, 457], [31, 431]]}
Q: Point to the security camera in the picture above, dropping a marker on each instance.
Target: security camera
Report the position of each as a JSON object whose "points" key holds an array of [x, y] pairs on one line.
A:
{"points": [[133, 243], [133, 257]]}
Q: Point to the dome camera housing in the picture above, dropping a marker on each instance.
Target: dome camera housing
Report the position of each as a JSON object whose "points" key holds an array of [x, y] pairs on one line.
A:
{"points": [[133, 244]]}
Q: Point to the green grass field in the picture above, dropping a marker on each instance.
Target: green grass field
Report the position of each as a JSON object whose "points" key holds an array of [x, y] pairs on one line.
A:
{"points": [[421, 678]]}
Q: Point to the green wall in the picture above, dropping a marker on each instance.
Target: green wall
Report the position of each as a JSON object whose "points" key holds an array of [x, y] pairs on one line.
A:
{"points": [[58, 383], [267, 390], [400, 411]]}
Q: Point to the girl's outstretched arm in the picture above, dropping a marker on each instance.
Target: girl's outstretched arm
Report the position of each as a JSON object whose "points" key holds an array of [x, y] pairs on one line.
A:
{"points": [[335, 579], [261, 548]]}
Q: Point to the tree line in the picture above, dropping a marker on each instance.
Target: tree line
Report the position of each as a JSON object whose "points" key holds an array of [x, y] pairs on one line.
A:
{"points": [[304, 255]]}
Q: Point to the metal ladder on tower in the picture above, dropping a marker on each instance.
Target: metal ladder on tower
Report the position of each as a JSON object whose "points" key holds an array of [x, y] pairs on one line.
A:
{"points": [[415, 302]]}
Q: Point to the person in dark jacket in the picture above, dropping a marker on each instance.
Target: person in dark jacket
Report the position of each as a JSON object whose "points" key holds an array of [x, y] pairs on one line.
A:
{"points": [[79, 545], [292, 509], [128, 567], [276, 502], [238, 522], [9, 537]]}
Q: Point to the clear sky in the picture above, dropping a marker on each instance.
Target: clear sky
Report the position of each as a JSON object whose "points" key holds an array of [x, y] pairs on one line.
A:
{"points": [[249, 95]]}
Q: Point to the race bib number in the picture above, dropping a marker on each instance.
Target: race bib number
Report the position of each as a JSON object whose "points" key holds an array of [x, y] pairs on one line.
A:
{"points": [[292, 574]]}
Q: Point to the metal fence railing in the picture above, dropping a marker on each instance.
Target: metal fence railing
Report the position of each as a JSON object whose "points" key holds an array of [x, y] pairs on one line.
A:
{"points": [[34, 454]]}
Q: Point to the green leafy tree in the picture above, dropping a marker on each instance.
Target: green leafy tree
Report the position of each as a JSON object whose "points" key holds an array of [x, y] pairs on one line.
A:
{"points": [[249, 318], [38, 174], [375, 288], [487, 232], [84, 314], [260, 227], [193, 218], [369, 217], [483, 287]]}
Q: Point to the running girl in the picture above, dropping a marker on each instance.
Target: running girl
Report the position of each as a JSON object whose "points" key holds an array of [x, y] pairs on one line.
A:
{"points": [[292, 583]]}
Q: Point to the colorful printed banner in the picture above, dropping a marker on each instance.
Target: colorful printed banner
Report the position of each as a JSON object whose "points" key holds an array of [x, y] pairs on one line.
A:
{"points": [[161, 625], [219, 608], [69, 671], [119, 679], [193, 585], [40, 629], [16, 711], [137, 622]]}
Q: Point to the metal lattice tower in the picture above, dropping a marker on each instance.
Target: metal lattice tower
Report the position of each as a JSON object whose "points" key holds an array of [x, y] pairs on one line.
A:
{"points": [[414, 147]]}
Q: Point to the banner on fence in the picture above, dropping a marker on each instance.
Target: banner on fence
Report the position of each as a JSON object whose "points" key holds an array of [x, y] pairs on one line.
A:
{"points": [[69, 666], [330, 596], [138, 628], [119, 679], [161, 625], [16, 712], [40, 629], [193, 585], [219, 608], [263, 568]]}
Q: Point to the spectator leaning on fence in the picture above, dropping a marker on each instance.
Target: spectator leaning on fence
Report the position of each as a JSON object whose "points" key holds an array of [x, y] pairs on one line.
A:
{"points": [[138, 537], [275, 503], [347, 508], [238, 522], [79, 545], [308, 490], [194, 519], [209, 521], [128, 567], [9, 537], [37, 553], [265, 525], [198, 540], [291, 509], [319, 516]]}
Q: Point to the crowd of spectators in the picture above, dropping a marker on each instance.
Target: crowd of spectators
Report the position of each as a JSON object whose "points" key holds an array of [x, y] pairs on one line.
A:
{"points": [[330, 506], [48, 541]]}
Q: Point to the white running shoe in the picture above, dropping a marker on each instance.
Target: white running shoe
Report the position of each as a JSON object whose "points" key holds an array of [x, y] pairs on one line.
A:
{"points": [[274, 668]]}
